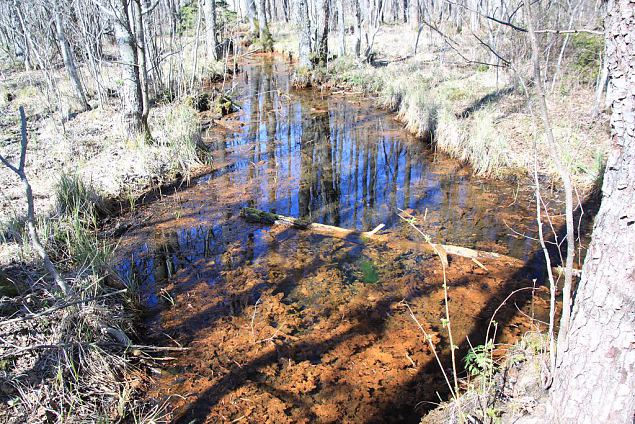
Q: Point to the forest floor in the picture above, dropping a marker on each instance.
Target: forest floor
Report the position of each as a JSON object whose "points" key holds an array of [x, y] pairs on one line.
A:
{"points": [[79, 165], [90, 145], [476, 113]]}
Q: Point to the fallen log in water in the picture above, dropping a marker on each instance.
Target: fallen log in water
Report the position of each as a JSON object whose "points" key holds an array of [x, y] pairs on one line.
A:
{"points": [[263, 217]]}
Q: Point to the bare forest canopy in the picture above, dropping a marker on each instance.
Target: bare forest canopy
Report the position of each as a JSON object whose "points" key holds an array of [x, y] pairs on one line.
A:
{"points": [[158, 44]]}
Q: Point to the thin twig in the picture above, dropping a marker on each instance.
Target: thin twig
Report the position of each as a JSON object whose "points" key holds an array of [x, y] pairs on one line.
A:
{"points": [[58, 307]]}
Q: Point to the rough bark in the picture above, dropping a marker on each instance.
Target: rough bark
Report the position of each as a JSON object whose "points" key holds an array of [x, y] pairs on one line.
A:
{"points": [[211, 40], [321, 47], [595, 380], [69, 61], [131, 87]]}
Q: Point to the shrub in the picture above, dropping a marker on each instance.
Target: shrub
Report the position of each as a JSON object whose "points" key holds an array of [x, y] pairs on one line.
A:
{"points": [[187, 17], [588, 52]]}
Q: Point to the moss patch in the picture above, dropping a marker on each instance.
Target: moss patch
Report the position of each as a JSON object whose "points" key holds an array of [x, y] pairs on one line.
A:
{"points": [[369, 272]]}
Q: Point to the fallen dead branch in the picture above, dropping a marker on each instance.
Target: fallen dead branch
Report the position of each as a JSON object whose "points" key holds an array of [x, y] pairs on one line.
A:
{"points": [[263, 217], [159, 348]]}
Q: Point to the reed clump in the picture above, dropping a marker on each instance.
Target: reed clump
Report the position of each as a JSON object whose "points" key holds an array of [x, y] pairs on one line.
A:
{"points": [[67, 357]]}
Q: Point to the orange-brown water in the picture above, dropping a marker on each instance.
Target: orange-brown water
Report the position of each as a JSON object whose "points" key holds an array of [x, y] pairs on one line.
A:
{"points": [[283, 325]]}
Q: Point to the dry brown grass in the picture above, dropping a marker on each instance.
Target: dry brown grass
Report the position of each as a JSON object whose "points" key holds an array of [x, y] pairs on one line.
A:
{"points": [[68, 358], [495, 136]]}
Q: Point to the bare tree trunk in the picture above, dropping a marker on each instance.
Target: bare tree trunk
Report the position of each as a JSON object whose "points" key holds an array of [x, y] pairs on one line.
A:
{"points": [[341, 28], [564, 176], [419, 31], [250, 8], [601, 87], [595, 382], [375, 23], [358, 29], [140, 44], [211, 40], [195, 52], [321, 48], [69, 61], [25, 35], [30, 217], [131, 89], [414, 17], [174, 15], [304, 47]]}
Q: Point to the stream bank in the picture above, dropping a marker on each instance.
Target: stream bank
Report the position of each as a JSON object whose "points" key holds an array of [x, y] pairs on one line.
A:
{"points": [[66, 358], [471, 111]]}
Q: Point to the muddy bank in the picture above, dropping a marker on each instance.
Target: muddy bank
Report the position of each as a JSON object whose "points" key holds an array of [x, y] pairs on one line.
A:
{"points": [[289, 326]]}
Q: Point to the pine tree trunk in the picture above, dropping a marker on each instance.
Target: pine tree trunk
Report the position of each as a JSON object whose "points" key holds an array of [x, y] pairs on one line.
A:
{"points": [[595, 380]]}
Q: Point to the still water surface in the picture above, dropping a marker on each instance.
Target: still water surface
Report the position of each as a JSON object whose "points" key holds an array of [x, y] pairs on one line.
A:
{"points": [[288, 326]]}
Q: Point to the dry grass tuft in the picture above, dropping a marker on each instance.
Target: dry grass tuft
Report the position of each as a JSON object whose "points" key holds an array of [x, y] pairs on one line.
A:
{"points": [[183, 140], [66, 359]]}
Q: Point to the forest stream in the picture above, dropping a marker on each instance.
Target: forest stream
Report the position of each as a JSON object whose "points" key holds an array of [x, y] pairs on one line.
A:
{"points": [[285, 325]]}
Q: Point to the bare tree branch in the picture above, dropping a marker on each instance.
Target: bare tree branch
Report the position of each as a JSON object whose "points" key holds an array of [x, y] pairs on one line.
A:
{"points": [[30, 220]]}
